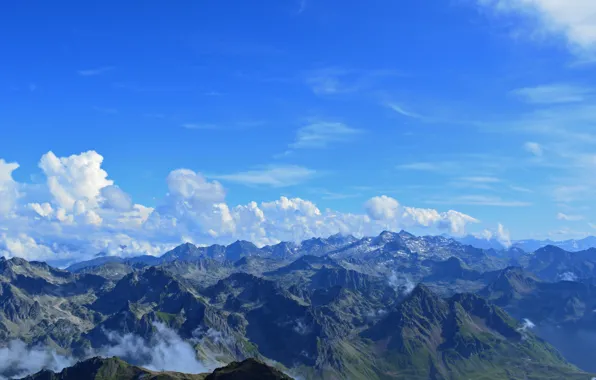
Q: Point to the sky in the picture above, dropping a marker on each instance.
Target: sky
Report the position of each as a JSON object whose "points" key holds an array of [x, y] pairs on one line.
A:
{"points": [[129, 127]]}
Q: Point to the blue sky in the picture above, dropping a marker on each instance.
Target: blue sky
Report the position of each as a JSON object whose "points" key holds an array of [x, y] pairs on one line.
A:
{"points": [[485, 107]]}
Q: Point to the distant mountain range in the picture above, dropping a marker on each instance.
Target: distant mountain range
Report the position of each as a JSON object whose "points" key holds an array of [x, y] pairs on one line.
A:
{"points": [[336, 245], [530, 245], [393, 306]]}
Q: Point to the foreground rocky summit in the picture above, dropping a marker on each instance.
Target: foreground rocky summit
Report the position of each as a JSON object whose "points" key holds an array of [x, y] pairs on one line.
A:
{"points": [[116, 369]]}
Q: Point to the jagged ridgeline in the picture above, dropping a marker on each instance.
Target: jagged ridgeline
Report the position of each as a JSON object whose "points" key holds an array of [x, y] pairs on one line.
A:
{"points": [[394, 306], [114, 368]]}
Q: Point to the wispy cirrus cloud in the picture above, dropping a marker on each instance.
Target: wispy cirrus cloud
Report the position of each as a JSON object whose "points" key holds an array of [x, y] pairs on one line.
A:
{"points": [[480, 200], [553, 94], [95, 71], [449, 166], [422, 166], [569, 218], [335, 80], [271, 175], [404, 112], [480, 179], [322, 134]]}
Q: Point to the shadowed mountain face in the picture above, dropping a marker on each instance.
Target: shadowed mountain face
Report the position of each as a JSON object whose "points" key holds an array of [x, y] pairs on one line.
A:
{"points": [[330, 308]]}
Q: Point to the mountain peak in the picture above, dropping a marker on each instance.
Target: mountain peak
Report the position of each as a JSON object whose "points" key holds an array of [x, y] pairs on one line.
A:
{"points": [[249, 369], [551, 248], [422, 291], [385, 237]]}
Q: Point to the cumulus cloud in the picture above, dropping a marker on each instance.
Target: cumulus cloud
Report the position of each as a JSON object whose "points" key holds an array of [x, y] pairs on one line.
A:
{"points": [[382, 208], [18, 360], [388, 210], [81, 212], [115, 198], [78, 178], [188, 185], [44, 209], [22, 245]]}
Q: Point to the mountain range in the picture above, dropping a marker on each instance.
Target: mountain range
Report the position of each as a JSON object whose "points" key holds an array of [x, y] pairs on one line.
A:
{"points": [[530, 245], [393, 306]]}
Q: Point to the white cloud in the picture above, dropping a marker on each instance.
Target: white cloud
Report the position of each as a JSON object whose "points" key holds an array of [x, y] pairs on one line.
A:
{"points": [[188, 185], [21, 245], [421, 166], [553, 94], [382, 208], [526, 325], [322, 134], [79, 212], [503, 236], [433, 166], [114, 197], [18, 360], [402, 283], [165, 351], [44, 209], [78, 178], [573, 19], [534, 148], [569, 218], [388, 210], [9, 192], [402, 111], [274, 176]]}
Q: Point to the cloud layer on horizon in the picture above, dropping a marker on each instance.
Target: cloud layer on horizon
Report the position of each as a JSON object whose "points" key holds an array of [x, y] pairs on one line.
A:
{"points": [[79, 212]]}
